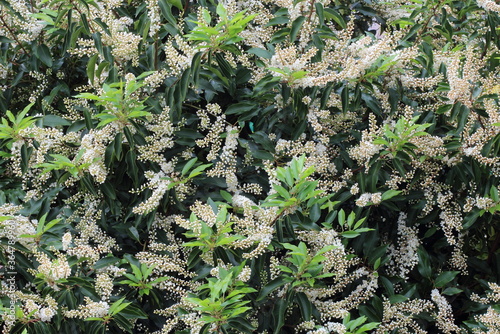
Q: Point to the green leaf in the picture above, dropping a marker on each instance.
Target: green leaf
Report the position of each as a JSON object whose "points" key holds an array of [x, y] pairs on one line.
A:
{"points": [[25, 155], [221, 11], [282, 191], [54, 121], [86, 27], [260, 53], [166, 10], [305, 306], [279, 314], [394, 299], [351, 325], [91, 68], [270, 287], [188, 166], [241, 324], [333, 14], [132, 169], [240, 108], [424, 264], [198, 170], [206, 16], [117, 306], [344, 95], [444, 109], [470, 219], [399, 166], [227, 196], [194, 257], [390, 194], [315, 213], [350, 234], [105, 262], [296, 25], [494, 194], [50, 224], [278, 20], [108, 190], [320, 12], [452, 291], [367, 327], [445, 278], [194, 244], [341, 217]]}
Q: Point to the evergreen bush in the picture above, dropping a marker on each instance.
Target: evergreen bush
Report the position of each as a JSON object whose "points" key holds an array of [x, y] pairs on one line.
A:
{"points": [[288, 166]]}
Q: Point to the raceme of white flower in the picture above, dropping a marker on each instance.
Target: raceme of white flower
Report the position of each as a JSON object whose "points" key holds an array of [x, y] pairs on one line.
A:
{"points": [[351, 59]]}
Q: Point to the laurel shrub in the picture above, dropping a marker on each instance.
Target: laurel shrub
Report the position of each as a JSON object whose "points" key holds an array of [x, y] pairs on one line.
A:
{"points": [[249, 166]]}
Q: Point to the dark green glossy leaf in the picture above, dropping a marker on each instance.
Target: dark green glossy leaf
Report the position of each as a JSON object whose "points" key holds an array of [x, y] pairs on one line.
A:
{"points": [[43, 53], [444, 278]]}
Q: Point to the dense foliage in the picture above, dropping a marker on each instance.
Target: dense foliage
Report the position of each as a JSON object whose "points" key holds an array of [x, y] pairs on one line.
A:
{"points": [[250, 166]]}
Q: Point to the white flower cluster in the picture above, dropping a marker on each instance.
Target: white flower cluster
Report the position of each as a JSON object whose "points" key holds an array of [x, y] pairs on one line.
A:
{"points": [[330, 328], [43, 309], [179, 54], [17, 226], [125, 47], [89, 309], [154, 17], [226, 166], [404, 257], [53, 270], [27, 22], [331, 309], [490, 319], [451, 218], [213, 138], [484, 203], [460, 79], [104, 286], [245, 274], [66, 240], [399, 316], [489, 5], [4, 71], [160, 188], [444, 318], [94, 145]]}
